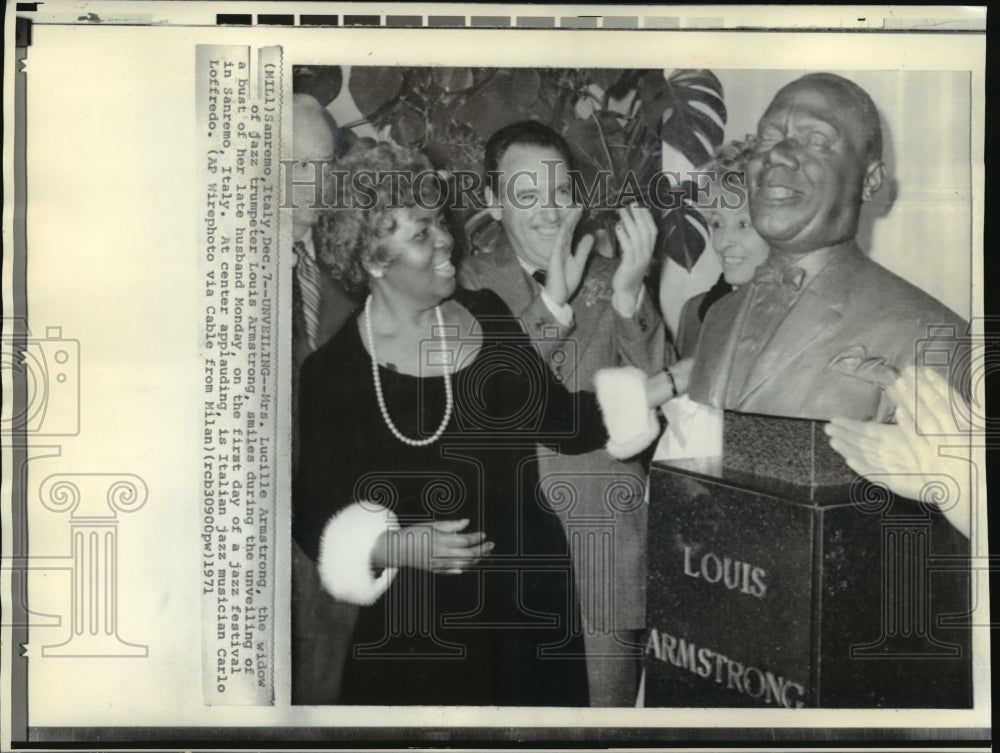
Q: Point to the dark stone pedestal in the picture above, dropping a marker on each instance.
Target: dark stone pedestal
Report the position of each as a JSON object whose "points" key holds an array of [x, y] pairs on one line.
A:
{"points": [[804, 587]]}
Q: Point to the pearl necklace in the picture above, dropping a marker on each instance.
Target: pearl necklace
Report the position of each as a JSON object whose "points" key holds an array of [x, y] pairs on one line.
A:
{"points": [[378, 384]]}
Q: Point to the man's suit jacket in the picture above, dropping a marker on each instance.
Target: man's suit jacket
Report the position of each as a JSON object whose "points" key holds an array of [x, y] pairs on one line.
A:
{"points": [[853, 319], [321, 625], [591, 493], [599, 336], [335, 309]]}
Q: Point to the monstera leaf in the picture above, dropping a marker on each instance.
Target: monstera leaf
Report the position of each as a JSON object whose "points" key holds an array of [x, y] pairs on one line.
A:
{"points": [[504, 99], [321, 81], [679, 106], [623, 83], [453, 79], [375, 87], [616, 122], [409, 129], [596, 141], [682, 235]]}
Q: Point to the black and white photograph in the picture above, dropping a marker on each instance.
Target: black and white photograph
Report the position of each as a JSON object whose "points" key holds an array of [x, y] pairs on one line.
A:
{"points": [[495, 374], [415, 636]]}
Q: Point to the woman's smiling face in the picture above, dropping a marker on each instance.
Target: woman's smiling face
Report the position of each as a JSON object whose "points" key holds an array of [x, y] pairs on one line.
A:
{"points": [[739, 248], [419, 250]]}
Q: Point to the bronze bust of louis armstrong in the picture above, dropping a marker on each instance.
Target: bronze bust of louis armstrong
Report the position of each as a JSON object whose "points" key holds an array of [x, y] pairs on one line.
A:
{"points": [[821, 329]]}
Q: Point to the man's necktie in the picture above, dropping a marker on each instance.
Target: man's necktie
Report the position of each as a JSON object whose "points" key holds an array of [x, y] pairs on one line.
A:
{"points": [[540, 276], [774, 291], [307, 275], [789, 277]]}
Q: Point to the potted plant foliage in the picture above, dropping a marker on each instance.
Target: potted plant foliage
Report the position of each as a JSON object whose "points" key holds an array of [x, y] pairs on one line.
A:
{"points": [[616, 121]]}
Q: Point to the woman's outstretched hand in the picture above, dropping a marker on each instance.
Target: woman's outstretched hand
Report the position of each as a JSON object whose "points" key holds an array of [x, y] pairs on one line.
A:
{"points": [[438, 546], [904, 458]]}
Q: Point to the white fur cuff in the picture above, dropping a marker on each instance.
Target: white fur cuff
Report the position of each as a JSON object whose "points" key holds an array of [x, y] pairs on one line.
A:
{"points": [[345, 553], [630, 423]]}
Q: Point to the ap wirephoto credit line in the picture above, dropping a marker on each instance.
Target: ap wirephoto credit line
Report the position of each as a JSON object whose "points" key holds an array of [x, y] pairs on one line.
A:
{"points": [[239, 122]]}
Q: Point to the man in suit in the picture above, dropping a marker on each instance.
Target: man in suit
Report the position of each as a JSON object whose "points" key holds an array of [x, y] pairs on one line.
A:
{"points": [[582, 316], [821, 330], [320, 627], [320, 305]]}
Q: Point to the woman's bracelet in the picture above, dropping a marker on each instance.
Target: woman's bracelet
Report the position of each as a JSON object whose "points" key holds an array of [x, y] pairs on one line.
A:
{"points": [[673, 384]]}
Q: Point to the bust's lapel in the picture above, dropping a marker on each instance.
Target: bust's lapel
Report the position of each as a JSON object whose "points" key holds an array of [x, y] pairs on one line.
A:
{"points": [[717, 347], [814, 317]]}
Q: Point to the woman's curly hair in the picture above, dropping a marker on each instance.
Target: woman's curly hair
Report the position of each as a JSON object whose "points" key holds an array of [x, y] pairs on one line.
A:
{"points": [[360, 193], [727, 171], [732, 157]]}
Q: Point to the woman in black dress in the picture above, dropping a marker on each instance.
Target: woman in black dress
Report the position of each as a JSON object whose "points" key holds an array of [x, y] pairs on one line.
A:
{"points": [[418, 490]]}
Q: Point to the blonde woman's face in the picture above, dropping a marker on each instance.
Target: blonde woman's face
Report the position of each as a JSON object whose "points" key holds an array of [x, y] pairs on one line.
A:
{"points": [[739, 248]]}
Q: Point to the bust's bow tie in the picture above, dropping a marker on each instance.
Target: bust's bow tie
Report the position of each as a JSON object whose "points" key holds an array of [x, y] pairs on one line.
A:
{"points": [[789, 277]]}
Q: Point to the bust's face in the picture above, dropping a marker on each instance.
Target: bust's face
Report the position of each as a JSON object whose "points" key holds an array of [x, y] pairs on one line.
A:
{"points": [[808, 172]]}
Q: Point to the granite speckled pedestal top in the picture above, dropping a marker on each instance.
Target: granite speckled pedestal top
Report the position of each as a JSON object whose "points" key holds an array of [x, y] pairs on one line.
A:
{"points": [[795, 450]]}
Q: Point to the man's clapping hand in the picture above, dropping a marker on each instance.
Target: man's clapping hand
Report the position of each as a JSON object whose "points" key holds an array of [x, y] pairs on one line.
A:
{"points": [[636, 233], [566, 268]]}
